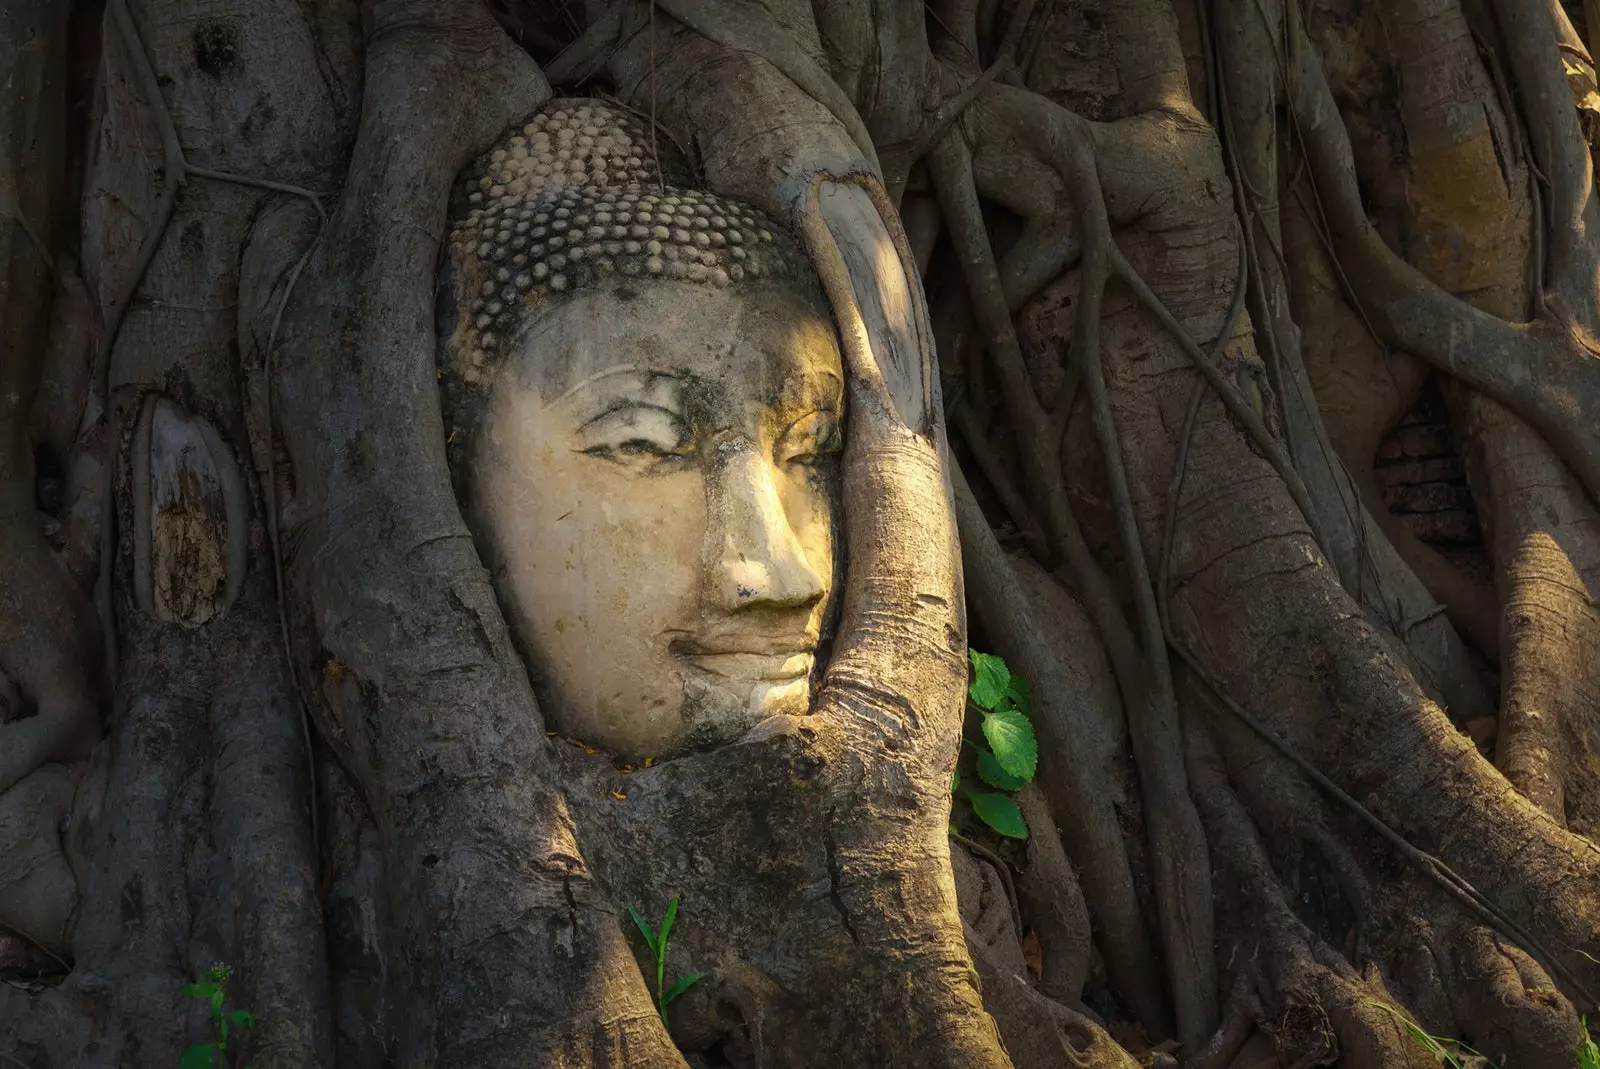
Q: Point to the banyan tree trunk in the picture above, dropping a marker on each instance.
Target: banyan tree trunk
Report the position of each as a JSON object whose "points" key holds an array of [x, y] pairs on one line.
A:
{"points": [[1131, 295]]}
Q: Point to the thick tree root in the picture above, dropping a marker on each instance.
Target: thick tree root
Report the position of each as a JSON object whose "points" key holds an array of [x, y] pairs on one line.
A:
{"points": [[1053, 901], [1177, 845], [1317, 1010], [1540, 525], [1080, 792], [1041, 1033], [523, 915]]}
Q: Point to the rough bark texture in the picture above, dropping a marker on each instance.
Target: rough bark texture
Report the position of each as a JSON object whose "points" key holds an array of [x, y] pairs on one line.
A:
{"points": [[1266, 332]]}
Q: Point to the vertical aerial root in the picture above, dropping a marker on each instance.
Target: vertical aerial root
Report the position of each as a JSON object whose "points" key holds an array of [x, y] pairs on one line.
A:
{"points": [[989, 463], [1177, 842], [1039, 1032], [1053, 901], [1080, 791]]}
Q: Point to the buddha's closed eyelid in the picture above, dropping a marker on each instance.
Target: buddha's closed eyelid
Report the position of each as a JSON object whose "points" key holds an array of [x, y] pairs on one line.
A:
{"points": [[813, 435], [635, 429]]}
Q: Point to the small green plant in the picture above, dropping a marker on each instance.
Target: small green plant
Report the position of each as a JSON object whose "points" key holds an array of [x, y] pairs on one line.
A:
{"points": [[657, 942], [1589, 1053], [1008, 755], [1441, 1047], [214, 990]]}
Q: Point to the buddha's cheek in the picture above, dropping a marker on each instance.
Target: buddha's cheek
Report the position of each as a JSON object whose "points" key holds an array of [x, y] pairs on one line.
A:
{"points": [[608, 577]]}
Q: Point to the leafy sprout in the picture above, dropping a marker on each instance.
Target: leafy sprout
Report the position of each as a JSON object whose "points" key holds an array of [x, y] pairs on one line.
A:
{"points": [[657, 942], [1443, 1048], [1008, 754], [213, 990]]}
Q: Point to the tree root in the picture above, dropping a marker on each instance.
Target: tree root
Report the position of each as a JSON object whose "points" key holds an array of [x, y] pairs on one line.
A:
{"points": [[966, 422], [1426, 864], [1239, 1020], [1535, 513], [1079, 789], [1177, 844], [1317, 1010], [388, 585], [1543, 371], [1476, 904], [743, 29], [1369, 567], [1041, 1033], [1053, 901]]}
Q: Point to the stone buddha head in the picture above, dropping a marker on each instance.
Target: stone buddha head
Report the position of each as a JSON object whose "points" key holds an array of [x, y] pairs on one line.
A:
{"points": [[645, 400]]}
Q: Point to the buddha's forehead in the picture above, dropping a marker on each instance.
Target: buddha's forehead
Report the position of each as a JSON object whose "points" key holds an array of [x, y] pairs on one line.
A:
{"points": [[572, 252], [663, 340]]}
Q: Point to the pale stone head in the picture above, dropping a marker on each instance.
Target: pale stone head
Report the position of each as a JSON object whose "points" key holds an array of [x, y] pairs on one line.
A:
{"points": [[645, 397]]}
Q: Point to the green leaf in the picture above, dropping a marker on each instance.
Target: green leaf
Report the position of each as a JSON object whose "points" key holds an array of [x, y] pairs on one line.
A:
{"points": [[1020, 696], [216, 1002], [666, 923], [242, 1018], [1000, 813], [990, 772], [204, 989], [680, 985], [990, 677], [198, 1056], [955, 780], [1010, 736], [644, 930]]}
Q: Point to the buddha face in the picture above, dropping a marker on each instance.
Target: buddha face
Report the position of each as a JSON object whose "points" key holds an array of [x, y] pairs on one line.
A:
{"points": [[654, 486]]}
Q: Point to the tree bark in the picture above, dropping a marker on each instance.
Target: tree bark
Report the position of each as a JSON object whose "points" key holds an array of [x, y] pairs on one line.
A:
{"points": [[1189, 265]]}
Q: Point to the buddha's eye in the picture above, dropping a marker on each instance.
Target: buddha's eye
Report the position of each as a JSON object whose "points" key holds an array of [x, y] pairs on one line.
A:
{"points": [[635, 433], [810, 440]]}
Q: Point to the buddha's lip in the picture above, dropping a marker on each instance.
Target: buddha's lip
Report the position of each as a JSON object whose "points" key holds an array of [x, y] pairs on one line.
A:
{"points": [[754, 667], [743, 645]]}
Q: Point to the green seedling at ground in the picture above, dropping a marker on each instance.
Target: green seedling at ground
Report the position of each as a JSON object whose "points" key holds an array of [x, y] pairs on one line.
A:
{"points": [[1441, 1047], [657, 942], [214, 991]]}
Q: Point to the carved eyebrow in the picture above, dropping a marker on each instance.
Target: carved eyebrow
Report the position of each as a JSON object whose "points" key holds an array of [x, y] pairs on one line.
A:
{"points": [[619, 369], [643, 387]]}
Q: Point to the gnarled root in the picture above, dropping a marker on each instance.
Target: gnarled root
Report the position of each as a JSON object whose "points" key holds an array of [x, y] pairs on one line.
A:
{"points": [[1316, 1008], [1039, 1032]]}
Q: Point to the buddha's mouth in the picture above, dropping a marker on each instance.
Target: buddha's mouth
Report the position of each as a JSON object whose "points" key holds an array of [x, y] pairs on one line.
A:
{"points": [[754, 667], [753, 660]]}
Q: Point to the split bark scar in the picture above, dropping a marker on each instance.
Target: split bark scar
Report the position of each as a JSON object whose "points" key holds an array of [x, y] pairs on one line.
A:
{"points": [[174, 171], [836, 877]]}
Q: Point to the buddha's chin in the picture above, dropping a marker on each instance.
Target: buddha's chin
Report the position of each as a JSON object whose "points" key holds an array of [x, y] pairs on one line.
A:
{"points": [[785, 697], [718, 711]]}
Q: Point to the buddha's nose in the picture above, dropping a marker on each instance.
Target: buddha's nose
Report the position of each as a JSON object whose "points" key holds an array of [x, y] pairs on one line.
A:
{"points": [[756, 557]]}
